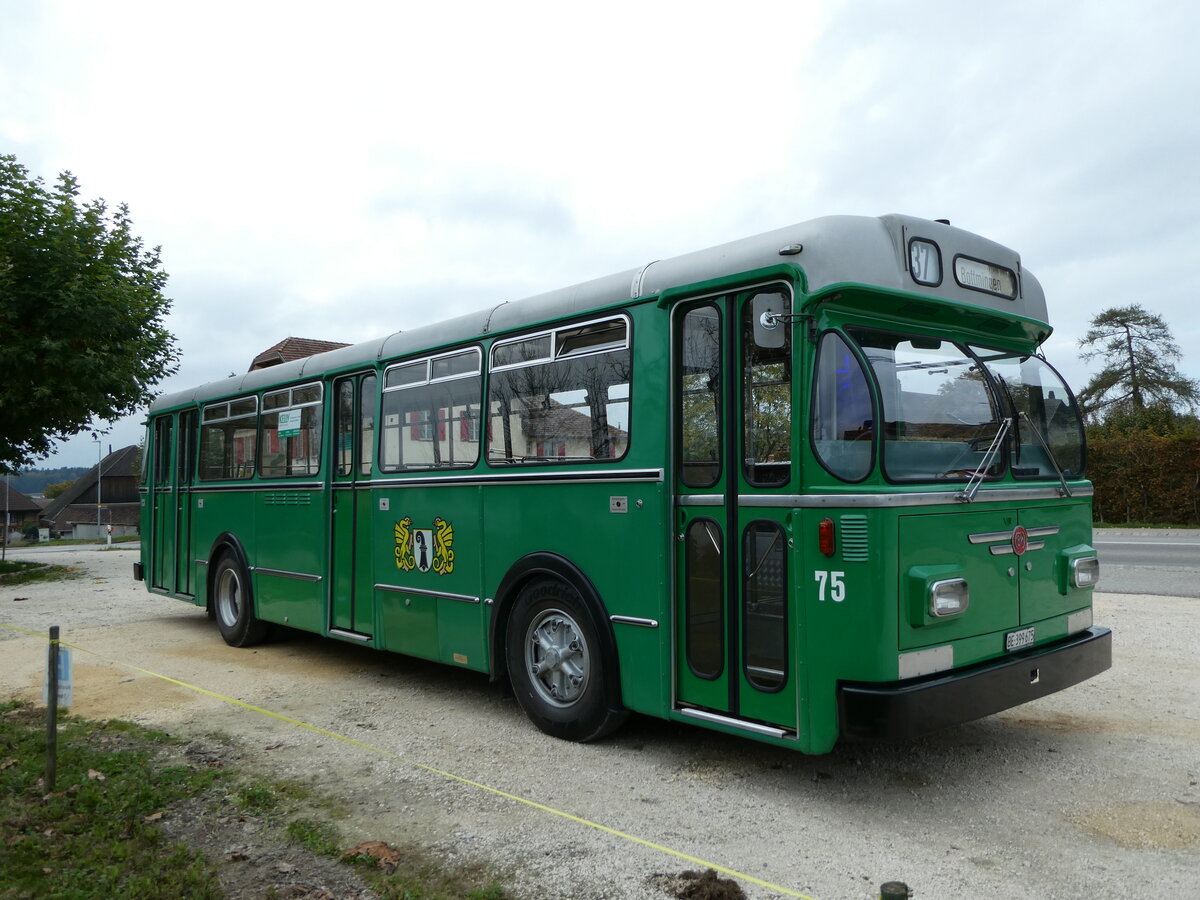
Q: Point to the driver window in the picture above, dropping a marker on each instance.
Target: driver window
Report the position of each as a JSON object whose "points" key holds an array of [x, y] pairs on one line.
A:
{"points": [[842, 418]]}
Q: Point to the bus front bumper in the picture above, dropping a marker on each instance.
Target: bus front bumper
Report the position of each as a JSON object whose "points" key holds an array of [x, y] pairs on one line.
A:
{"points": [[903, 710]]}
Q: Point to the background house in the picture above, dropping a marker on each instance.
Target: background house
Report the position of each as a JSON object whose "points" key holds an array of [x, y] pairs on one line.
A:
{"points": [[109, 489], [17, 511]]}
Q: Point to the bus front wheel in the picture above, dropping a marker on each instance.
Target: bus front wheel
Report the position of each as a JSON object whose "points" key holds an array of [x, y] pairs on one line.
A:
{"points": [[556, 664], [233, 604]]}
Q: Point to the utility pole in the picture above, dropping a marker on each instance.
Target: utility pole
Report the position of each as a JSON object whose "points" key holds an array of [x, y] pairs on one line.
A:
{"points": [[99, 466]]}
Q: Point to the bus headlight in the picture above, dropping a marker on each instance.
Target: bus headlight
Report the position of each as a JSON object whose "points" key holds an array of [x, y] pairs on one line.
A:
{"points": [[948, 597], [1085, 572]]}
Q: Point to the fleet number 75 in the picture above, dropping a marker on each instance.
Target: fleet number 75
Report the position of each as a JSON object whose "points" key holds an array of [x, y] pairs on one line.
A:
{"points": [[831, 586]]}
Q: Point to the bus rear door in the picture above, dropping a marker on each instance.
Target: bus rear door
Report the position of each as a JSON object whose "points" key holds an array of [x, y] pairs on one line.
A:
{"points": [[170, 523], [351, 612], [736, 619]]}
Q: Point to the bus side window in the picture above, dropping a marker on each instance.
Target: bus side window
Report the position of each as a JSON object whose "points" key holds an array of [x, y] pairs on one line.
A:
{"points": [[561, 397], [430, 413], [228, 439], [842, 413]]}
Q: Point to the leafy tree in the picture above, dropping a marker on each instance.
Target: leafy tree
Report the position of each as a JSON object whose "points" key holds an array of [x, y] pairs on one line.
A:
{"points": [[1139, 371], [81, 315], [54, 491]]}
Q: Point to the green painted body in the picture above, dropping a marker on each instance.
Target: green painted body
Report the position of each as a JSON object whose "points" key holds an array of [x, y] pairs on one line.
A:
{"points": [[334, 553]]}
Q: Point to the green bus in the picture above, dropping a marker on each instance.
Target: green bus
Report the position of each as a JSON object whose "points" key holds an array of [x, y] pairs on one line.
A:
{"points": [[809, 485]]}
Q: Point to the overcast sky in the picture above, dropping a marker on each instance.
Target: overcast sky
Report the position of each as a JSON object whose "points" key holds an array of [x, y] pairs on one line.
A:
{"points": [[342, 171]]}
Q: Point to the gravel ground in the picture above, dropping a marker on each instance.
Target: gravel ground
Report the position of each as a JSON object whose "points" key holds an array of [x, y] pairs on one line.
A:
{"points": [[1092, 791]]}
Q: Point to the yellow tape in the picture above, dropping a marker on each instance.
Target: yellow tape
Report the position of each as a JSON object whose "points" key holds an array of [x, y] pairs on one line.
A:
{"points": [[408, 762]]}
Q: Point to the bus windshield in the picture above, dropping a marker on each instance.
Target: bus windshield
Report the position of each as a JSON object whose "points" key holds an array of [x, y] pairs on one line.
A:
{"points": [[1047, 418], [939, 416], [942, 411]]}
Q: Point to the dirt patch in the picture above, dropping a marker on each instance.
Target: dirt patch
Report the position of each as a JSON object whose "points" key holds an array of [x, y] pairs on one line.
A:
{"points": [[706, 885], [252, 854], [1171, 825]]}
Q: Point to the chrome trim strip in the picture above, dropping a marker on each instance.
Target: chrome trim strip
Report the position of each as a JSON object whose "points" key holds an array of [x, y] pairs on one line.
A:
{"points": [[281, 573], [1005, 549], [582, 477], [706, 716], [987, 537], [861, 501], [633, 620], [258, 486], [400, 589], [201, 562], [1043, 531], [700, 500], [352, 635]]}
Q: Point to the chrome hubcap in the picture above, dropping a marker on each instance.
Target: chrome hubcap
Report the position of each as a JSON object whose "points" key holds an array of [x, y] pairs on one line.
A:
{"points": [[556, 655]]}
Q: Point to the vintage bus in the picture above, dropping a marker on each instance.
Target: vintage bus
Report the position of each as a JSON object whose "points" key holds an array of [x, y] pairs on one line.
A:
{"points": [[813, 484]]}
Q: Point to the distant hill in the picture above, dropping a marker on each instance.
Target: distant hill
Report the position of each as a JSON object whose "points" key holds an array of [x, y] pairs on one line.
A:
{"points": [[34, 481]]}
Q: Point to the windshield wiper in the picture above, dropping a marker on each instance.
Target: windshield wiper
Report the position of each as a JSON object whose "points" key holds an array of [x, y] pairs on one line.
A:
{"points": [[1066, 491], [971, 488]]}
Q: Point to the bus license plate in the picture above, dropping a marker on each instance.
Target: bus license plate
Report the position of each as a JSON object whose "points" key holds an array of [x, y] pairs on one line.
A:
{"points": [[1015, 640]]}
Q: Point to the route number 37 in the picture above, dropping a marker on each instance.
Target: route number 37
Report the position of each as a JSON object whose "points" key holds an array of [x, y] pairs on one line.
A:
{"points": [[831, 586]]}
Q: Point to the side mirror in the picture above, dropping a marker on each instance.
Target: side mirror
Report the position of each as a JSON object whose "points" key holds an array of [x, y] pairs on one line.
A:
{"points": [[771, 319]]}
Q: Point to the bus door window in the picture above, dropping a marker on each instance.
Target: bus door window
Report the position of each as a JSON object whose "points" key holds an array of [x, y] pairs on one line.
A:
{"points": [[766, 403], [699, 390], [366, 424], [343, 426], [704, 618], [842, 412], [764, 605]]}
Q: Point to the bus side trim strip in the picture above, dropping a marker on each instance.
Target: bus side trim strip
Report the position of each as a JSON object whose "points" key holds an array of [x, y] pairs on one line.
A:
{"points": [[706, 716], [395, 588], [281, 573], [860, 501], [633, 620]]}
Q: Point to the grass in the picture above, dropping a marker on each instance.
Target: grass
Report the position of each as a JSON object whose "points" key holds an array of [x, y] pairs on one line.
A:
{"points": [[14, 572], [95, 836]]}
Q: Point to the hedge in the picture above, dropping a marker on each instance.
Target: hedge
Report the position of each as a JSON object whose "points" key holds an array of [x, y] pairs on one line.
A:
{"points": [[1145, 478]]}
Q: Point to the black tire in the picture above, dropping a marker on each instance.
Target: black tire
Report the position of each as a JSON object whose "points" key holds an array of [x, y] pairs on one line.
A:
{"points": [[558, 666], [233, 604]]}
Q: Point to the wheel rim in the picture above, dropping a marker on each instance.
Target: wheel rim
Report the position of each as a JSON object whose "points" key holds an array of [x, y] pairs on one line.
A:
{"points": [[229, 597], [557, 658]]}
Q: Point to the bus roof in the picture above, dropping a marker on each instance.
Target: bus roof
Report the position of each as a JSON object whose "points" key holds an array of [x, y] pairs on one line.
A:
{"points": [[832, 251]]}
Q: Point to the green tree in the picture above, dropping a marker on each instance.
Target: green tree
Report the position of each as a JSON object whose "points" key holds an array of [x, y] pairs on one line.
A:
{"points": [[56, 490], [82, 337], [1139, 371]]}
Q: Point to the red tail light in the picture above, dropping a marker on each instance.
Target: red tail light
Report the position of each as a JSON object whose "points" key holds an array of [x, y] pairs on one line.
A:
{"points": [[827, 537]]}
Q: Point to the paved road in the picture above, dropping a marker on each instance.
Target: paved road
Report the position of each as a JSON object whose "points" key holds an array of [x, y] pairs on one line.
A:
{"points": [[1149, 561]]}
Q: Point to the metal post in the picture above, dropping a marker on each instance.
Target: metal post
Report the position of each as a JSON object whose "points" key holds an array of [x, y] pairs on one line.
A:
{"points": [[52, 712], [99, 465]]}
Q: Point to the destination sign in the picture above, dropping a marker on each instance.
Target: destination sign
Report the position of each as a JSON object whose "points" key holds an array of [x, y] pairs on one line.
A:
{"points": [[977, 275]]}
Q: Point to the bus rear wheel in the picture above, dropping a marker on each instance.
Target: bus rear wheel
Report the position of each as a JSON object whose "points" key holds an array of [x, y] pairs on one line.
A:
{"points": [[233, 604], [557, 666]]}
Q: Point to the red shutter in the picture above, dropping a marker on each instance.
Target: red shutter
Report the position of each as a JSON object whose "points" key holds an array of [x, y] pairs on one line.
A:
{"points": [[415, 431]]}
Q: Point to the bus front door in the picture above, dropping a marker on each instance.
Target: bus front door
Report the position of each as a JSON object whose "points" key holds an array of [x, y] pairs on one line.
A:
{"points": [[351, 613], [735, 619]]}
